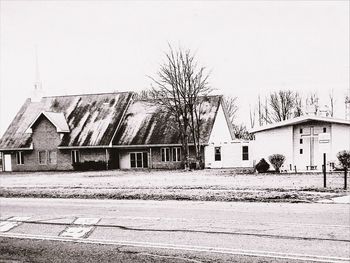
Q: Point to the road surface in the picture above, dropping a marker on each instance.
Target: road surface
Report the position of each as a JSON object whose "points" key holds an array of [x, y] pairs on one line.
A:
{"points": [[173, 231]]}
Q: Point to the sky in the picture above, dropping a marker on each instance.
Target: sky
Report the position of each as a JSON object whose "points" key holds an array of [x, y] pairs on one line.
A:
{"points": [[249, 47]]}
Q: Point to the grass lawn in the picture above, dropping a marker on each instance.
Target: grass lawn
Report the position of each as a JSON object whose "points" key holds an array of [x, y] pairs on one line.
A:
{"points": [[213, 185]]}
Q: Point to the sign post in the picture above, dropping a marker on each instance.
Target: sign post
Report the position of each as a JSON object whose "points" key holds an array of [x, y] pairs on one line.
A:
{"points": [[324, 147], [345, 178], [324, 171]]}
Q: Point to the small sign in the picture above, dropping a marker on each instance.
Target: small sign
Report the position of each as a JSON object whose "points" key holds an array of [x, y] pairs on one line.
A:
{"points": [[324, 138]]}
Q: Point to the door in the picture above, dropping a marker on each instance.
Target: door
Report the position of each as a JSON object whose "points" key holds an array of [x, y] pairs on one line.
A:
{"points": [[139, 160], [7, 163]]}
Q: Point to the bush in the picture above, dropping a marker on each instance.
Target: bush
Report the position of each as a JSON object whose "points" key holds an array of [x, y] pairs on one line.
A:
{"points": [[90, 166], [262, 166], [344, 158], [277, 161]]}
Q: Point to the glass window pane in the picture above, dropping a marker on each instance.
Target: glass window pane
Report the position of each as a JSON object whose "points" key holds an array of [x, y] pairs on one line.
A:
{"points": [[163, 154], [42, 157], [132, 160], [174, 154], [245, 154], [139, 160], [217, 153], [52, 157], [167, 154], [77, 156], [145, 160]]}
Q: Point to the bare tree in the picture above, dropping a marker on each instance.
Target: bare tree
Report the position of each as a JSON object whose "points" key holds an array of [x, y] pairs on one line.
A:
{"points": [[252, 116], [281, 105], [145, 94], [241, 132], [260, 112], [178, 88], [331, 103], [347, 106], [232, 107], [312, 103], [298, 105]]}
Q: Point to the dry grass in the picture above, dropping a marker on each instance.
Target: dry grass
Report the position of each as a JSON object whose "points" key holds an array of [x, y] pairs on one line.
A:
{"points": [[213, 185]]}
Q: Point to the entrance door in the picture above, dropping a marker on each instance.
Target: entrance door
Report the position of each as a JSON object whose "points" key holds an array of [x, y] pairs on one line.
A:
{"points": [[139, 160], [7, 163]]}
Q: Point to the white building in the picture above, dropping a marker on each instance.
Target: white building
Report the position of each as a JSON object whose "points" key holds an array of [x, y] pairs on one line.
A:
{"points": [[223, 150], [303, 141]]}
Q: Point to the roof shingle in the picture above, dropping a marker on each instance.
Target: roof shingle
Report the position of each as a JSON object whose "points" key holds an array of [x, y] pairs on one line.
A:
{"points": [[92, 119]]}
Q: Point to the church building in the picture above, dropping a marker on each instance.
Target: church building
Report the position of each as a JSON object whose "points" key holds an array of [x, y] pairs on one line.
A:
{"points": [[303, 141], [115, 130]]}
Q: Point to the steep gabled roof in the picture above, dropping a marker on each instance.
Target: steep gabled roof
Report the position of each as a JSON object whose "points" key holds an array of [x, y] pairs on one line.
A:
{"points": [[92, 119], [299, 120], [56, 118], [146, 123]]}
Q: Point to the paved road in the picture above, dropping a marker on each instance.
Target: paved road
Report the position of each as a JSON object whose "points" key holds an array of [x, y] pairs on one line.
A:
{"points": [[179, 231]]}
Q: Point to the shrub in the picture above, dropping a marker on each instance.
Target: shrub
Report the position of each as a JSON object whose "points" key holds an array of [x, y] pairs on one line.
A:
{"points": [[344, 158], [262, 166], [90, 166], [277, 161]]}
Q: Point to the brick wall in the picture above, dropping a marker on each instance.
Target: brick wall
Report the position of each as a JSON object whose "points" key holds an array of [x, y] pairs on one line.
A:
{"points": [[44, 138], [154, 158]]}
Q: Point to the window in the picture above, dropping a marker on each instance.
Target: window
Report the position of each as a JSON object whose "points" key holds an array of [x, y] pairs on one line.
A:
{"points": [[165, 154], [301, 151], [245, 153], [177, 154], [301, 131], [301, 141], [19, 157], [132, 160], [145, 160], [324, 129], [139, 160], [52, 157], [217, 153], [42, 157], [75, 156]]}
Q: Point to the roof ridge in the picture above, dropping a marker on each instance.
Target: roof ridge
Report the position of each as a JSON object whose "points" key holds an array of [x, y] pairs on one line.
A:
{"points": [[299, 119], [203, 96], [89, 94]]}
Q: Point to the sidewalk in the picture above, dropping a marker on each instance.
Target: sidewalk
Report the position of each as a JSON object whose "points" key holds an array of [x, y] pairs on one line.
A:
{"points": [[337, 200]]}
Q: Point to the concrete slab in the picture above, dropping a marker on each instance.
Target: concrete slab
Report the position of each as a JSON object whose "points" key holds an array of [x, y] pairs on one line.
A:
{"points": [[342, 200], [19, 218], [7, 226], [86, 221], [38, 229], [77, 231], [336, 200]]}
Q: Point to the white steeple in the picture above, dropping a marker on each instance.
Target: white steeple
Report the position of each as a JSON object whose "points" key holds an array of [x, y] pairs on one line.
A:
{"points": [[347, 107], [38, 92]]}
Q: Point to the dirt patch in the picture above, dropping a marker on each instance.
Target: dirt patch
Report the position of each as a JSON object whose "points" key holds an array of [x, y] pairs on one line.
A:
{"points": [[174, 194]]}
